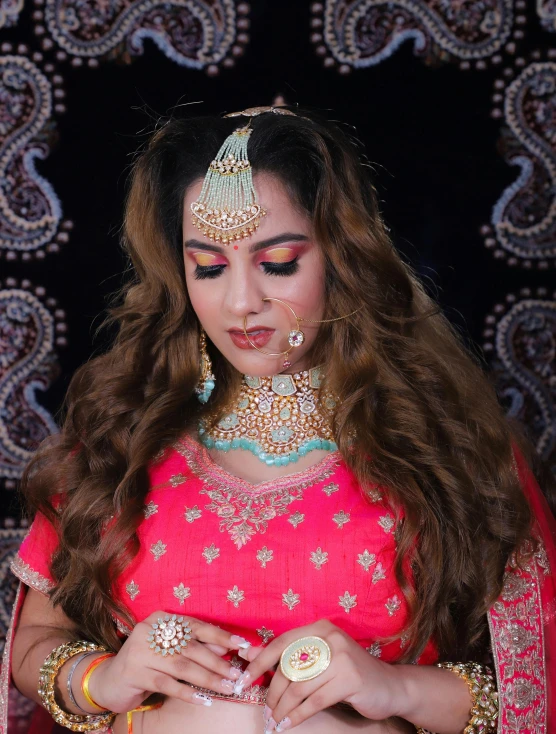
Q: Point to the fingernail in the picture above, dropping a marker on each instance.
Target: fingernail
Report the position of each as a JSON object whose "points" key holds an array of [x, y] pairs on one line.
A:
{"points": [[270, 726], [228, 685], [239, 641], [284, 724], [234, 673], [242, 681], [243, 652], [202, 699], [267, 713]]}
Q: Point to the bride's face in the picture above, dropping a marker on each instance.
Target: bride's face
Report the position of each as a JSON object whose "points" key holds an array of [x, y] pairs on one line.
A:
{"points": [[227, 283]]}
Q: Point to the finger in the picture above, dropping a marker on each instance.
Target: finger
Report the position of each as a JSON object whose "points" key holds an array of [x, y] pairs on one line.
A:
{"points": [[277, 688], [267, 658], [218, 649], [322, 698], [168, 686], [183, 668], [199, 653], [203, 631]]}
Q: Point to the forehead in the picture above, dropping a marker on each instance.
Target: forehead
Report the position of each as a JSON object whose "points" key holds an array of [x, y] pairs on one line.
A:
{"points": [[282, 214]]}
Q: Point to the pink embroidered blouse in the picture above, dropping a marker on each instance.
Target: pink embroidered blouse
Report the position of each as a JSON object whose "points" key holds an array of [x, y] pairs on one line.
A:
{"points": [[257, 560]]}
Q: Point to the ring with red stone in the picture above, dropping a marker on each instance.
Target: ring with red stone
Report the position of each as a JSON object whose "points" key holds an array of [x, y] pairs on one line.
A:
{"points": [[305, 658], [169, 635]]}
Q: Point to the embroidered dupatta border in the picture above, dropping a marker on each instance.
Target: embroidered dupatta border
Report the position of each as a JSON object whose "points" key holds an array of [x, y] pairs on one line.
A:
{"points": [[516, 630]]}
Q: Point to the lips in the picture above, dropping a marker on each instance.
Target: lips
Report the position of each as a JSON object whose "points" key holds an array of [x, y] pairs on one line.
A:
{"points": [[258, 335]]}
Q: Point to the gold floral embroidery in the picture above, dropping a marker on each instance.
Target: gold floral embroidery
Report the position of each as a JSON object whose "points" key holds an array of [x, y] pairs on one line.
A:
{"points": [[290, 599], [265, 634], [158, 549], [182, 592], [296, 518], [340, 518], [132, 589], [404, 639], [392, 605], [177, 479], [193, 513], [319, 558], [330, 488], [374, 649], [379, 574], [29, 576], [210, 553], [150, 510], [348, 601], [245, 509], [236, 596], [366, 559], [374, 495], [386, 522], [264, 556]]}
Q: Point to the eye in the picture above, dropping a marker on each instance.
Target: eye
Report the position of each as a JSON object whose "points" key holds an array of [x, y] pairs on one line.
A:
{"points": [[208, 271], [289, 268]]}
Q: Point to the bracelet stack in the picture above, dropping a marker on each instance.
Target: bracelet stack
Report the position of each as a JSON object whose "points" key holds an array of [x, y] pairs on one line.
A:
{"points": [[482, 687], [47, 681]]}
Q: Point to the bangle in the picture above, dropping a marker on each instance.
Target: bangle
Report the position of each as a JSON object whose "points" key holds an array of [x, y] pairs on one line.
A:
{"points": [[87, 676], [78, 659], [484, 709], [47, 682]]}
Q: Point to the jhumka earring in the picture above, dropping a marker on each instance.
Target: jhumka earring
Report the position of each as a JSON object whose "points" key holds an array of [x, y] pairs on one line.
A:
{"points": [[296, 337], [207, 381], [227, 208]]}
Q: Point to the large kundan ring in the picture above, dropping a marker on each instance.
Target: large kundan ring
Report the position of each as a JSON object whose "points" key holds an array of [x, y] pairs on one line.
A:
{"points": [[170, 635], [305, 658]]}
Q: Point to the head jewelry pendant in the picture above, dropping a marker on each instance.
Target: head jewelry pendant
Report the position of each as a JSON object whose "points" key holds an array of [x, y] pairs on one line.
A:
{"points": [[227, 209]]}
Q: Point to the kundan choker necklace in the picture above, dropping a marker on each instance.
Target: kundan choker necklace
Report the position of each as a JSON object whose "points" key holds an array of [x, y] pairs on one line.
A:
{"points": [[277, 418]]}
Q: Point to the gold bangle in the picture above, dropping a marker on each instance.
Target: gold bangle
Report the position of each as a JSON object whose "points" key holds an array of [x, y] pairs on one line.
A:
{"points": [[482, 687], [47, 680]]}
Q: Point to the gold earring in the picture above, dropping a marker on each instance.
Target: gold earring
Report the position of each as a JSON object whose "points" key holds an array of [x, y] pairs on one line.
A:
{"points": [[206, 382]]}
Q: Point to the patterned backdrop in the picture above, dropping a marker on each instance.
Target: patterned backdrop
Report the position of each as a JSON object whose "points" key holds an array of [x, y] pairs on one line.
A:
{"points": [[454, 100]]}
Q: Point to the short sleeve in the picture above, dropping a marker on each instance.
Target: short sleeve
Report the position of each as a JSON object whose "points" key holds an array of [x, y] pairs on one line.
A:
{"points": [[32, 562]]}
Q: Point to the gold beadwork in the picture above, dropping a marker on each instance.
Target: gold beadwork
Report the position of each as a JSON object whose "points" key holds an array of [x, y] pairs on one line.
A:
{"points": [[279, 414], [47, 680], [484, 711]]}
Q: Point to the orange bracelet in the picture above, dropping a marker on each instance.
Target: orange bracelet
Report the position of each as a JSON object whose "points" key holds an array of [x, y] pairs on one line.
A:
{"points": [[87, 676]]}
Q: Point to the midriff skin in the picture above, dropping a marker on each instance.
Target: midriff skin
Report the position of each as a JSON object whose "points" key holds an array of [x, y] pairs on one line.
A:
{"points": [[178, 717]]}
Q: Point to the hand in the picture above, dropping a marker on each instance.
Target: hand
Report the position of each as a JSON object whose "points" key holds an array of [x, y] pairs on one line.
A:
{"points": [[124, 681], [369, 685]]}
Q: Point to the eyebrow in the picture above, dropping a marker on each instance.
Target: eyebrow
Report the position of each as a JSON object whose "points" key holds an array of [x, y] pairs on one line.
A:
{"points": [[278, 240]]}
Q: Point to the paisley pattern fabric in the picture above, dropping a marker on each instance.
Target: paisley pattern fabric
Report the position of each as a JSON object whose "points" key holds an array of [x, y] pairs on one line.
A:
{"points": [[523, 223], [30, 212], [28, 363], [521, 337], [195, 34], [362, 33]]}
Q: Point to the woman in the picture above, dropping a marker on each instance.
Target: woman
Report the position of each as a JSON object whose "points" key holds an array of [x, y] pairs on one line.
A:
{"points": [[285, 476]]}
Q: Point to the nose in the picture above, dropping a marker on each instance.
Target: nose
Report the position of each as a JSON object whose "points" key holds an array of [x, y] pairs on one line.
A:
{"points": [[243, 294]]}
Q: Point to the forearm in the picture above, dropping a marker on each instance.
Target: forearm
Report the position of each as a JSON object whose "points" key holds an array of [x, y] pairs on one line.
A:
{"points": [[433, 698], [31, 647]]}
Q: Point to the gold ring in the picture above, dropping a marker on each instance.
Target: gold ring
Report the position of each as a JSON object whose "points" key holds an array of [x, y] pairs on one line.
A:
{"points": [[305, 658], [170, 635]]}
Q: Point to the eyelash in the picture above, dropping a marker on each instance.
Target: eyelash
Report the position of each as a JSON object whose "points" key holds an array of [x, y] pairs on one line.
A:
{"points": [[213, 271]]}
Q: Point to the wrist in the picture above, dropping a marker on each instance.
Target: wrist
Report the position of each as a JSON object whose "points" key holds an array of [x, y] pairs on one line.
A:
{"points": [[95, 695], [402, 693]]}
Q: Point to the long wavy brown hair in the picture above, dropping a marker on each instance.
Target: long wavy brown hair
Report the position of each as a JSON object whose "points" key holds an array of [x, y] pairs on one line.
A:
{"points": [[426, 421]]}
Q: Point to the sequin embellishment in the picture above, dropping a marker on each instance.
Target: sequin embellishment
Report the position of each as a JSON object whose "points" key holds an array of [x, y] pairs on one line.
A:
{"points": [[290, 599], [340, 518], [158, 549], [330, 488], [366, 559], [182, 592], [192, 514], [296, 518], [210, 553], [150, 510], [386, 522], [265, 634], [319, 558], [348, 601], [264, 556], [392, 605], [379, 574], [177, 479], [132, 589], [236, 596]]}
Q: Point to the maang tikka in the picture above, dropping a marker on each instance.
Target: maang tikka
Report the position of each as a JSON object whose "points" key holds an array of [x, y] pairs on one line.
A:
{"points": [[227, 208]]}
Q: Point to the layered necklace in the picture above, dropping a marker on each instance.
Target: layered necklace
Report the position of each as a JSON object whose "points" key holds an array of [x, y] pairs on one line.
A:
{"points": [[277, 418]]}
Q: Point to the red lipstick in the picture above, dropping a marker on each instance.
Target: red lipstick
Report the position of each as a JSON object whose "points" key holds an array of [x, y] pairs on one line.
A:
{"points": [[259, 335]]}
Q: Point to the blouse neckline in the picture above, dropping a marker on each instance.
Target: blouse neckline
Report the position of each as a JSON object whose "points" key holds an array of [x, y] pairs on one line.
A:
{"points": [[203, 465]]}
